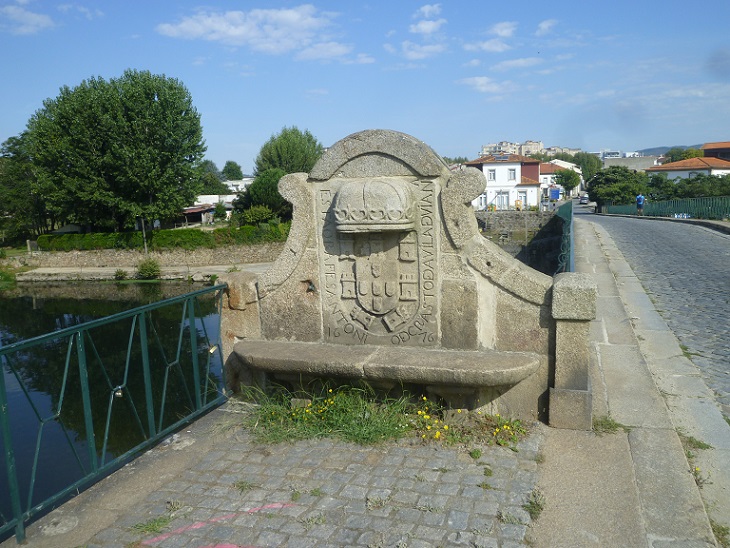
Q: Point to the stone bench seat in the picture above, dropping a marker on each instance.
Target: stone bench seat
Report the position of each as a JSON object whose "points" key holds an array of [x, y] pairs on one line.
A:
{"points": [[417, 365]]}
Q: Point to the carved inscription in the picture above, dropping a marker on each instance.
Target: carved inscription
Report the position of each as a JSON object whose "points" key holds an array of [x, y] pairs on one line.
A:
{"points": [[380, 282]]}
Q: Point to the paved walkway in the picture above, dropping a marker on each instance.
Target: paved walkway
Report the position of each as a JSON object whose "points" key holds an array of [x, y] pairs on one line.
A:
{"points": [[631, 488]]}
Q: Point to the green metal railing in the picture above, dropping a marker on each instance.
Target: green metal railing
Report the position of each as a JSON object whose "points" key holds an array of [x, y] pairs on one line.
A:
{"points": [[717, 208], [566, 259], [155, 368]]}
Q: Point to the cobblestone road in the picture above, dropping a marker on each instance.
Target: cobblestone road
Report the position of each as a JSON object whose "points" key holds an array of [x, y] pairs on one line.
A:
{"points": [[685, 269]]}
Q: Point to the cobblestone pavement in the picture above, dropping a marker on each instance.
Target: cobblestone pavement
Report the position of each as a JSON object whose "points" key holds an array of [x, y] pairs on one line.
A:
{"points": [[685, 269], [327, 493]]}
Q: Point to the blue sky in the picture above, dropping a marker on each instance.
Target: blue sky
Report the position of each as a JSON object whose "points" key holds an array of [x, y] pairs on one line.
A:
{"points": [[620, 75]]}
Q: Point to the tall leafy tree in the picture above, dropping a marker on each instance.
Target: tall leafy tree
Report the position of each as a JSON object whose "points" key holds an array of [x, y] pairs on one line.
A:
{"points": [[292, 150], [568, 179], [232, 171], [264, 192], [590, 164], [617, 184], [109, 152], [211, 180], [675, 154], [23, 211]]}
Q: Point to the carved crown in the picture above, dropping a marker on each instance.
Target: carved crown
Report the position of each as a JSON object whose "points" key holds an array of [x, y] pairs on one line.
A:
{"points": [[374, 206]]}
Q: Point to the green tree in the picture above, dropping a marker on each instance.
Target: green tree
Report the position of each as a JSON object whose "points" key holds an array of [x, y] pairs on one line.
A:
{"points": [[292, 151], [692, 153], [674, 154], [264, 192], [590, 164], [219, 214], [107, 153], [568, 179], [232, 171], [23, 212], [455, 160], [617, 184]]}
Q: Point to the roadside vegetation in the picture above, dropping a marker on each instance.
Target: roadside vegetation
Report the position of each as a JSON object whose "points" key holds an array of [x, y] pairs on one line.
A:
{"points": [[362, 416]]}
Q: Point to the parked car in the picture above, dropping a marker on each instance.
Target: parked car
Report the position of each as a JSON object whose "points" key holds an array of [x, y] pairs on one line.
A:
{"points": [[583, 199]]}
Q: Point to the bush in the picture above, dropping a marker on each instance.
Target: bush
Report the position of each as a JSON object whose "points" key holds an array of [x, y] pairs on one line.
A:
{"points": [[148, 269], [120, 274], [257, 214], [3, 254], [189, 238]]}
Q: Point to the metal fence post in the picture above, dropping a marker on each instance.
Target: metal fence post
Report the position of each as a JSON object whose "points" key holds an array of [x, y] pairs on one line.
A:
{"points": [[10, 459]]}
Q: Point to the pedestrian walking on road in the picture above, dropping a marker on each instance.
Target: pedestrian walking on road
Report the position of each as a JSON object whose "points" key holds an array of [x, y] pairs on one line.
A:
{"points": [[640, 204]]}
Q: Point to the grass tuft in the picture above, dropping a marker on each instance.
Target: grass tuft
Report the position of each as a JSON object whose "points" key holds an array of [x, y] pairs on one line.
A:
{"points": [[154, 525], [535, 503], [606, 425], [722, 534]]}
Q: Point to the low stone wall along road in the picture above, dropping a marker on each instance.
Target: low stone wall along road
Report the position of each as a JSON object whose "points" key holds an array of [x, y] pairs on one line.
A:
{"points": [[685, 269]]}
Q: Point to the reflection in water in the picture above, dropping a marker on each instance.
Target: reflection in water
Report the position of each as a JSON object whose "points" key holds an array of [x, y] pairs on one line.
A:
{"points": [[44, 383]]}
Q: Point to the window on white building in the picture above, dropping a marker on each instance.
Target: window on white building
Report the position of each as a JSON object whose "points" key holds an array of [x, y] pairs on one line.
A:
{"points": [[512, 174], [491, 175], [482, 201]]}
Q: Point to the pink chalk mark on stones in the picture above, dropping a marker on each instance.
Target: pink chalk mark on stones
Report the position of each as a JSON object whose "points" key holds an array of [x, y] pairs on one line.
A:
{"points": [[201, 524]]}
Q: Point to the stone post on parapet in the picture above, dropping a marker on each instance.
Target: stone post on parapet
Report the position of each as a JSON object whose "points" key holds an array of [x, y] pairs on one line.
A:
{"points": [[574, 306]]}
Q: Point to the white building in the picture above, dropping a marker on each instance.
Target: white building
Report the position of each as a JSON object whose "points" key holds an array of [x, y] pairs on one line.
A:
{"points": [[511, 182], [691, 167]]}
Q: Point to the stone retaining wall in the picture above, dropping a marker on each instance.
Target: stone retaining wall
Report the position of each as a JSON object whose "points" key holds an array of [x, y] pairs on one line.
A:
{"points": [[511, 221], [231, 255]]}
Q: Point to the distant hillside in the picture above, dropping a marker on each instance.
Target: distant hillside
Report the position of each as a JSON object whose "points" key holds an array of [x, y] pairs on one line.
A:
{"points": [[658, 151]]}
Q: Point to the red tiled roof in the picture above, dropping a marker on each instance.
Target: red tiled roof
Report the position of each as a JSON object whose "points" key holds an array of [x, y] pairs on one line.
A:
{"points": [[508, 159], [526, 181], [693, 163], [719, 144], [549, 169]]}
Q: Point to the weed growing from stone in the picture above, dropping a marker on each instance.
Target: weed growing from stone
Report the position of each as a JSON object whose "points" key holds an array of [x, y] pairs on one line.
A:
{"points": [[244, 486], [507, 518], [606, 425], [722, 534], [700, 480], [375, 503], [311, 521], [316, 492], [153, 526], [535, 503], [476, 454]]}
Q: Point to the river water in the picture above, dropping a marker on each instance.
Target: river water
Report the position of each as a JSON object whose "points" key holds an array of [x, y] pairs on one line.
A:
{"points": [[44, 401]]}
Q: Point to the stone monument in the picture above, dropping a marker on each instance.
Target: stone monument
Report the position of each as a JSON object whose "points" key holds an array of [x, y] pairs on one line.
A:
{"points": [[385, 279]]}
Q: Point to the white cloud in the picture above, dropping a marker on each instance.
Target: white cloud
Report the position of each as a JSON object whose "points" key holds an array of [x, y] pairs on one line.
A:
{"points": [[21, 21], [504, 30], [361, 59], [517, 63], [545, 27], [272, 31], [429, 10], [83, 10], [427, 26], [493, 46], [472, 63], [418, 51], [484, 84], [324, 51]]}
